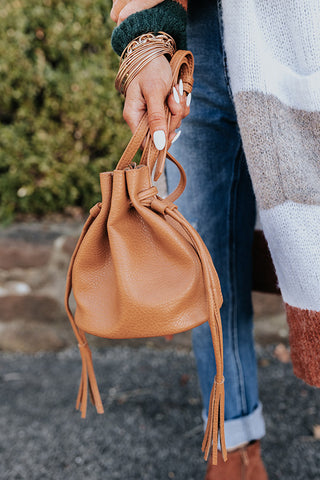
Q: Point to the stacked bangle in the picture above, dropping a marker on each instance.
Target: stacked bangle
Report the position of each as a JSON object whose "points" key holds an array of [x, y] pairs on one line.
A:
{"points": [[138, 53]]}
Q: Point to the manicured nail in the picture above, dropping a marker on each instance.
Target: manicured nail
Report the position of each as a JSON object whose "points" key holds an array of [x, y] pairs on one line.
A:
{"points": [[176, 137], [180, 87], [188, 101], [159, 139], [175, 95]]}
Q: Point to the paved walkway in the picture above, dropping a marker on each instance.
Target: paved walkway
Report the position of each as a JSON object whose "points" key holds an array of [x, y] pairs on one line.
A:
{"points": [[151, 429]]}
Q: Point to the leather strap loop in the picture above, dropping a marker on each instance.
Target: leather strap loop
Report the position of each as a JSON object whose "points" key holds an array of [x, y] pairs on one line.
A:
{"points": [[182, 182]]}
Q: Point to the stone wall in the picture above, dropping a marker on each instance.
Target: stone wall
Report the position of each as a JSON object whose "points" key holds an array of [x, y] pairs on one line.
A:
{"points": [[34, 258]]}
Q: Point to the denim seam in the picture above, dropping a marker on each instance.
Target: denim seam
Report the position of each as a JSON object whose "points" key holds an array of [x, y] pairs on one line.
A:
{"points": [[233, 292], [233, 196]]}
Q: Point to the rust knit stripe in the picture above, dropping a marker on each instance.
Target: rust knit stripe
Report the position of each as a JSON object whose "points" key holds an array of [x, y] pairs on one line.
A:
{"points": [[305, 343]]}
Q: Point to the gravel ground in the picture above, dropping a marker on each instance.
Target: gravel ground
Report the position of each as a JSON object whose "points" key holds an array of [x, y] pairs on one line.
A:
{"points": [[151, 429]]}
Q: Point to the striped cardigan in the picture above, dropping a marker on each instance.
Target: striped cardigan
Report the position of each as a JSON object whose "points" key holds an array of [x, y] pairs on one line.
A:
{"points": [[273, 58]]}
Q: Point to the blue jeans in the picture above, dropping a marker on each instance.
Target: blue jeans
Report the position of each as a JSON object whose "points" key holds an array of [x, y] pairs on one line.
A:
{"points": [[220, 204]]}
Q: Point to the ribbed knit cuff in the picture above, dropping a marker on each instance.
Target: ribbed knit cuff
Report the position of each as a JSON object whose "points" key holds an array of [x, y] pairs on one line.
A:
{"points": [[169, 17]]}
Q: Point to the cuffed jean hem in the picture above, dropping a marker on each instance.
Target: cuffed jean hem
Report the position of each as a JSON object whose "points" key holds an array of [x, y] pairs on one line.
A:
{"points": [[242, 430]]}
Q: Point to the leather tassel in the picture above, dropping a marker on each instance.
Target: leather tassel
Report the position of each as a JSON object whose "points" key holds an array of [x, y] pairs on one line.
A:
{"points": [[215, 424], [88, 382], [81, 398], [88, 379]]}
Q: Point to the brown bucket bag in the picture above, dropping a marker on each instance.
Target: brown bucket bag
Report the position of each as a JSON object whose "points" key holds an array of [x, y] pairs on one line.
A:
{"points": [[141, 270]]}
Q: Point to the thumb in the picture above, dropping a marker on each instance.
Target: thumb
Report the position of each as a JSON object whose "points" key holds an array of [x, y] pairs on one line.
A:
{"points": [[155, 100]]}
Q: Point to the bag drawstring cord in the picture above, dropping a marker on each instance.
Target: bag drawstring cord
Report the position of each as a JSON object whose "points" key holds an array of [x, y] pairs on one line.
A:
{"points": [[88, 379], [215, 423]]}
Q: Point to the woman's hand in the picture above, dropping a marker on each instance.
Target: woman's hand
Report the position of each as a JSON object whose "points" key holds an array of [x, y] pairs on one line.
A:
{"points": [[151, 87], [121, 9], [149, 91]]}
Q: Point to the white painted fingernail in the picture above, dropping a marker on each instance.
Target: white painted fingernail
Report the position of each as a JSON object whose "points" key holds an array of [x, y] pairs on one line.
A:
{"points": [[180, 87], [188, 101], [176, 137], [175, 95], [159, 139]]}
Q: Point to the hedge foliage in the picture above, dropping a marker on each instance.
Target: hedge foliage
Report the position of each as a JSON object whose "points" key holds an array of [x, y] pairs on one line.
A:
{"points": [[60, 115]]}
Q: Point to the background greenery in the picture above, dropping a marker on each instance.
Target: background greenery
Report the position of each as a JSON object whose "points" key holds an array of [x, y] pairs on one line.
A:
{"points": [[60, 115]]}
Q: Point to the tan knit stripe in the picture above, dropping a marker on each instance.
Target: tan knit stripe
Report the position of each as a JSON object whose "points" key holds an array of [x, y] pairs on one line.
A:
{"points": [[282, 146], [305, 343]]}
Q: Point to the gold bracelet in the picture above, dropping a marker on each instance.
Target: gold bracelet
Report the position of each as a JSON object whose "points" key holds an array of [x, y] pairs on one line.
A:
{"points": [[162, 37], [135, 57], [138, 53], [128, 74]]}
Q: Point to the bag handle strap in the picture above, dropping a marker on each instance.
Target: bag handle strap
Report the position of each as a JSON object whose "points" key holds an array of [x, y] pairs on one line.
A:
{"points": [[134, 144]]}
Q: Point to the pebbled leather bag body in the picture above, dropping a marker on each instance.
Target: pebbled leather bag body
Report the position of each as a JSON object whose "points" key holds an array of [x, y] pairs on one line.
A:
{"points": [[141, 270]]}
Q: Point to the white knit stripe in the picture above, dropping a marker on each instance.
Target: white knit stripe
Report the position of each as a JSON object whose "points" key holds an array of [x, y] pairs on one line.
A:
{"points": [[273, 47], [293, 234]]}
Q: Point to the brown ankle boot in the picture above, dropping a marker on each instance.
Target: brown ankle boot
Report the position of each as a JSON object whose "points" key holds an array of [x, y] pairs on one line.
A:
{"points": [[245, 463]]}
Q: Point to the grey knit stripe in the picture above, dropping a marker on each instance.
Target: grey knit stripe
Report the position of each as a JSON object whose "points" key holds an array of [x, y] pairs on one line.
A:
{"points": [[282, 146]]}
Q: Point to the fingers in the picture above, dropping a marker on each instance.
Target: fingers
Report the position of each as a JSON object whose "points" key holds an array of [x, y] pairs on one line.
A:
{"points": [[155, 99], [148, 92], [179, 105], [134, 106], [136, 103], [155, 83], [152, 98], [123, 8], [133, 111]]}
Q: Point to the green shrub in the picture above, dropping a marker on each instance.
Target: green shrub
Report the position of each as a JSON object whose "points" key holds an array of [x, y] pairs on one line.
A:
{"points": [[60, 115]]}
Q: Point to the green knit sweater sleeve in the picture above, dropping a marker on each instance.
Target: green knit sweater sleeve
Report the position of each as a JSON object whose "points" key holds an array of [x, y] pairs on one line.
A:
{"points": [[168, 16]]}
